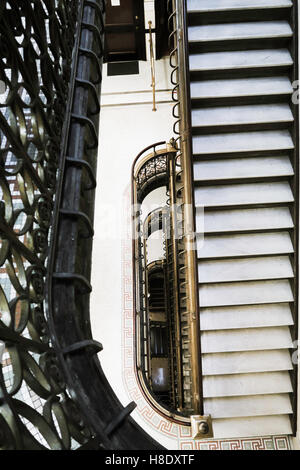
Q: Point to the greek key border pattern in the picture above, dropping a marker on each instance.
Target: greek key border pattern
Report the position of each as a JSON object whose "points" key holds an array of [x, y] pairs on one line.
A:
{"points": [[179, 433]]}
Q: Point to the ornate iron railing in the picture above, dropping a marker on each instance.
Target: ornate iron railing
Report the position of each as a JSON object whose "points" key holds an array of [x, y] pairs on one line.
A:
{"points": [[152, 171], [53, 393], [183, 195]]}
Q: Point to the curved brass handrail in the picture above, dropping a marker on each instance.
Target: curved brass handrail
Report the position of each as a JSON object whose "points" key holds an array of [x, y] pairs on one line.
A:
{"points": [[138, 277], [152, 61]]}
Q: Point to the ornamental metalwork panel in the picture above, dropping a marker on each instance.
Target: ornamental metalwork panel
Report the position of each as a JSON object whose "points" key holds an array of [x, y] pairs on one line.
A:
{"points": [[149, 173]]}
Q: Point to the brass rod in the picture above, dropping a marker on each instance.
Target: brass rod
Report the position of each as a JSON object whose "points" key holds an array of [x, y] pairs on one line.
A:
{"points": [[173, 217], [152, 61], [188, 198]]}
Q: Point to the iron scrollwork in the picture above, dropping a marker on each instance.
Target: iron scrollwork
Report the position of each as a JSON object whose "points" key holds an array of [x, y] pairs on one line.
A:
{"points": [[150, 172]]}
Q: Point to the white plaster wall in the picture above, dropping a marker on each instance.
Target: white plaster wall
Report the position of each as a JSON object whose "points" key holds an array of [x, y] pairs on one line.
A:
{"points": [[124, 132]]}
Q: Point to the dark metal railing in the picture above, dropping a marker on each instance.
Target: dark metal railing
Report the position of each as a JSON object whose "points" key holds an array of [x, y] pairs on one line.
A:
{"points": [[153, 168], [183, 191], [53, 393]]}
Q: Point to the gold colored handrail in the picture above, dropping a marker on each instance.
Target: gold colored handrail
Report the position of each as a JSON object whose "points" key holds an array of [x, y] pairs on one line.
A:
{"points": [[143, 382], [152, 61], [181, 68]]}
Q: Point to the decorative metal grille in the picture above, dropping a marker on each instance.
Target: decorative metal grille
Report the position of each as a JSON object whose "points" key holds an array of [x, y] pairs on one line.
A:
{"points": [[150, 171]]}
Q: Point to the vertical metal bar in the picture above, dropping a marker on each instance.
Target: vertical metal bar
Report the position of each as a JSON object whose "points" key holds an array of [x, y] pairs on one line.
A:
{"points": [[189, 206], [146, 313], [175, 272], [152, 61], [169, 323]]}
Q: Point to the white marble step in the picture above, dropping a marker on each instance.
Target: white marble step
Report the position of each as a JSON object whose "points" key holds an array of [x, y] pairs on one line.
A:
{"points": [[243, 194], [245, 293], [252, 339], [249, 316], [223, 5], [239, 31], [244, 362], [246, 384], [242, 142], [241, 87], [235, 407], [252, 427], [228, 60], [245, 269], [243, 220], [252, 167], [241, 115], [228, 246]]}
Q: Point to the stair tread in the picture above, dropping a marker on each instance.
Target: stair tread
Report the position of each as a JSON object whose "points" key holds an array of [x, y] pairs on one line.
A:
{"points": [[247, 384], [221, 5], [245, 293], [238, 31], [242, 142], [244, 279], [277, 267], [242, 194], [246, 362], [241, 87], [220, 169], [241, 115], [246, 339], [240, 59], [250, 316], [243, 219], [226, 246], [235, 407], [252, 427]]}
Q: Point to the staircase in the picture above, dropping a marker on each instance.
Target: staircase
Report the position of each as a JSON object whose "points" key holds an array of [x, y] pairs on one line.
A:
{"points": [[244, 162]]}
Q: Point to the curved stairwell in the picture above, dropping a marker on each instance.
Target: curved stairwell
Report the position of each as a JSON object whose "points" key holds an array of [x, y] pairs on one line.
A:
{"points": [[241, 58]]}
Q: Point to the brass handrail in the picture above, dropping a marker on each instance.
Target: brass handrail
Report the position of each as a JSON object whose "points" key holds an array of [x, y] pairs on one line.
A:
{"points": [[182, 112], [139, 284], [152, 61]]}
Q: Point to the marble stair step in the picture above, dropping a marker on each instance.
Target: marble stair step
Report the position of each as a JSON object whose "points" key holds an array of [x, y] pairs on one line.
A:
{"points": [[251, 167], [261, 405], [249, 316], [224, 5], [245, 293], [239, 31], [245, 269], [252, 339], [247, 384], [242, 362], [243, 220]]}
